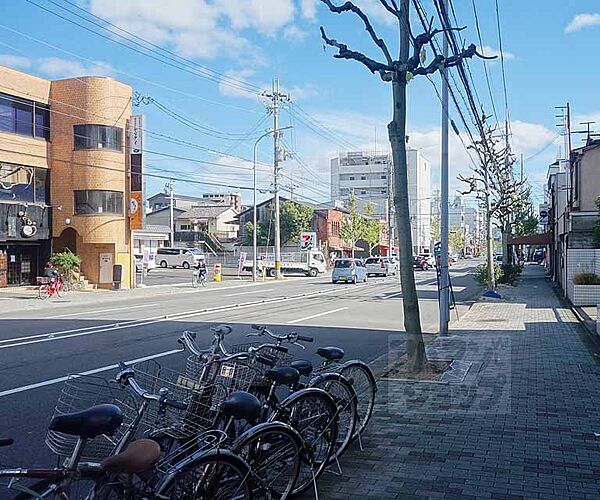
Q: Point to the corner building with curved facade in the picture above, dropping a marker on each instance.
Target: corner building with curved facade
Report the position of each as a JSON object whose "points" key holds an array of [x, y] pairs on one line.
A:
{"points": [[64, 164]]}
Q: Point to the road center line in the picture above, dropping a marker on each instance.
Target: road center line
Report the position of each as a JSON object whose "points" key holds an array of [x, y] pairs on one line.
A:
{"points": [[58, 380], [251, 291], [102, 310], [316, 315]]}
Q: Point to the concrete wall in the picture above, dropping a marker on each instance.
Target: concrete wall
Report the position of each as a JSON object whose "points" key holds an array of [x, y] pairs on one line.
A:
{"points": [[589, 180]]}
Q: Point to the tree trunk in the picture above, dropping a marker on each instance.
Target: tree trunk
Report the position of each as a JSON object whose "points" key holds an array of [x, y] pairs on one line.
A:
{"points": [[415, 346], [506, 232], [490, 251]]}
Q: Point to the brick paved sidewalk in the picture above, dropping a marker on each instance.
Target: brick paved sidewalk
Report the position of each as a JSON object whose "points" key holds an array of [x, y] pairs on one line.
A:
{"points": [[520, 425]]}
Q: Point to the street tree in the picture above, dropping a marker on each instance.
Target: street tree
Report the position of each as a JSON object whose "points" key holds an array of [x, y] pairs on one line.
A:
{"points": [[295, 219], [352, 228], [263, 236], [493, 183], [456, 239], [399, 71], [435, 228], [371, 228]]}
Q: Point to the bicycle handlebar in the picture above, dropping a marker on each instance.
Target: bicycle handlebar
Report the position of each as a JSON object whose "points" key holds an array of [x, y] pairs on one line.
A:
{"points": [[291, 337]]}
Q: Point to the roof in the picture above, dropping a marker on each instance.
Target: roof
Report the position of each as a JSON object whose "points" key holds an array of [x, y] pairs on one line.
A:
{"points": [[175, 209], [207, 212], [157, 228], [178, 197], [263, 203]]}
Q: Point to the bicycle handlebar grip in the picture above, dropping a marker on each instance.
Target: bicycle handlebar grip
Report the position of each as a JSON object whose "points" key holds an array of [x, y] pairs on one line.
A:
{"points": [[305, 339], [173, 403], [257, 327], [266, 360], [279, 348], [6, 442], [122, 366]]}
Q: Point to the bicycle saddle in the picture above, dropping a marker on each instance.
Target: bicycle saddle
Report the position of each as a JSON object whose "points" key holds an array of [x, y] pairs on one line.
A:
{"points": [[283, 375], [221, 329], [95, 421], [331, 353], [303, 366], [139, 456], [242, 406]]}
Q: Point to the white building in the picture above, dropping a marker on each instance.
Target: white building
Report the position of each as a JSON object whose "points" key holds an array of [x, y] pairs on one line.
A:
{"points": [[368, 175]]}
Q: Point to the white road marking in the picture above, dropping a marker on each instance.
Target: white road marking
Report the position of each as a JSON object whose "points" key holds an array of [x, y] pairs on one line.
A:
{"points": [[102, 311], [251, 291], [316, 315], [391, 296], [58, 380]]}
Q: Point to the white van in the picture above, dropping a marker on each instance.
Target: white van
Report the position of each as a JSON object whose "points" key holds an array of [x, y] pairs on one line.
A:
{"points": [[178, 257]]}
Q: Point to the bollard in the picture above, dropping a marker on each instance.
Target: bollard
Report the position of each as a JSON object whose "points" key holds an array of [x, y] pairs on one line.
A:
{"points": [[217, 272]]}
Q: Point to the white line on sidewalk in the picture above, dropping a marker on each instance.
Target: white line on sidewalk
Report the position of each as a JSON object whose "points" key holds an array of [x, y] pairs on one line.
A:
{"points": [[98, 311], [58, 380], [251, 291], [316, 315]]}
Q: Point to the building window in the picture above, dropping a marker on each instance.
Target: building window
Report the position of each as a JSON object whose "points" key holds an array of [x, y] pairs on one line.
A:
{"points": [[384, 176], [98, 137], [91, 202], [185, 227], [363, 192], [351, 178], [363, 177], [24, 117], [24, 184]]}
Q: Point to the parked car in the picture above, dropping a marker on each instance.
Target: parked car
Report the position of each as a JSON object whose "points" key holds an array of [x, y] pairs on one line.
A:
{"points": [[139, 262], [349, 270], [380, 266], [178, 257]]}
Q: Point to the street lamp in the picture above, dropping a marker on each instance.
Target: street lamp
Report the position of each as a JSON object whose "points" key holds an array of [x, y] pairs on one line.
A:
{"points": [[254, 235]]}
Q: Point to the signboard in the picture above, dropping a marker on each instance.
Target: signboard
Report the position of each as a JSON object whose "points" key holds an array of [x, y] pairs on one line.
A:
{"points": [[105, 272], [308, 241], [242, 261], [136, 203], [544, 209]]}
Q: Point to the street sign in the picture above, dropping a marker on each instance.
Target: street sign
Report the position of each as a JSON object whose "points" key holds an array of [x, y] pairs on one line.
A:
{"points": [[308, 241], [437, 249]]}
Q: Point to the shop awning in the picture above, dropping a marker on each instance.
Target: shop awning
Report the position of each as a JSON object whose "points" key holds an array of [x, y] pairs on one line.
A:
{"points": [[532, 239]]}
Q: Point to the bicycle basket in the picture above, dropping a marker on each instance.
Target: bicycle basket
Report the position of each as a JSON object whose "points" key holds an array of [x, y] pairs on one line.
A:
{"points": [[79, 393], [280, 358], [200, 412]]}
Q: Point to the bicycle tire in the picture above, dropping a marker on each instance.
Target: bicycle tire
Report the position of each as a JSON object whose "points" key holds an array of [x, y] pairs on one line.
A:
{"points": [[362, 379], [223, 476], [43, 292], [346, 400], [194, 282], [318, 431], [273, 452], [81, 485]]}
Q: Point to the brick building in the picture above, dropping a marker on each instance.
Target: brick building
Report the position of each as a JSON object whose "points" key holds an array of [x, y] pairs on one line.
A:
{"points": [[64, 168]]}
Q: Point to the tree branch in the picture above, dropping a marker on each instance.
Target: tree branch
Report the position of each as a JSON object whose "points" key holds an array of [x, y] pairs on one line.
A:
{"points": [[350, 7], [345, 53], [393, 9]]}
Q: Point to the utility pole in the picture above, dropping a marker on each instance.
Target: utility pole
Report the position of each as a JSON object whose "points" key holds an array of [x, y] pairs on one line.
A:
{"points": [[522, 168], [169, 189], [390, 209], [444, 277], [276, 96]]}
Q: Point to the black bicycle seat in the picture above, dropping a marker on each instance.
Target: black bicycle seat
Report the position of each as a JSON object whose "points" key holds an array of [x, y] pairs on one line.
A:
{"points": [[242, 406], [303, 366], [95, 421], [283, 375], [221, 329], [331, 353]]}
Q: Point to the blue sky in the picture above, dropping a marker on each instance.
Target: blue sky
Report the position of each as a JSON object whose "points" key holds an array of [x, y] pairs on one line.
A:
{"points": [[549, 59]]}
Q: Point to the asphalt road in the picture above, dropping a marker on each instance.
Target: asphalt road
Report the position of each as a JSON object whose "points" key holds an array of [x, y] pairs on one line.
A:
{"points": [[44, 342]]}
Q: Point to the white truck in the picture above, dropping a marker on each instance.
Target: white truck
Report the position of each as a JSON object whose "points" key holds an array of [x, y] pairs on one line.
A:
{"points": [[310, 262]]}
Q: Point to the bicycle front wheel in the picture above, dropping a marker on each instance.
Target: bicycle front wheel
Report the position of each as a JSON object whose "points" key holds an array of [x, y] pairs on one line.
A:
{"points": [[311, 412], [194, 282], [216, 475], [362, 379], [43, 292]]}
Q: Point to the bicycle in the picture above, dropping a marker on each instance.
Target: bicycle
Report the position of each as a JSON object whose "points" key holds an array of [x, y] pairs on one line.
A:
{"points": [[355, 371], [198, 278], [52, 286], [310, 411]]}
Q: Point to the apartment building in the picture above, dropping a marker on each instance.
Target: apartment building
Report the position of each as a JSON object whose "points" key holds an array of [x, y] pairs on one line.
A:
{"points": [[64, 175], [368, 174]]}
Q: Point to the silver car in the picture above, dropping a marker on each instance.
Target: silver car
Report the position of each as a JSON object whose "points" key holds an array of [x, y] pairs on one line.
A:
{"points": [[380, 266], [349, 270]]}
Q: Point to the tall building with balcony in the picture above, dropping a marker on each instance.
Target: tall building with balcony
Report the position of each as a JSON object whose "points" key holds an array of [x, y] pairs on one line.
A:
{"points": [[65, 171], [369, 175]]}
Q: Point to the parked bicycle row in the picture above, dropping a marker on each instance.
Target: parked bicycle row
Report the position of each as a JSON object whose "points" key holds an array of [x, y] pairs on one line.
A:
{"points": [[237, 421]]}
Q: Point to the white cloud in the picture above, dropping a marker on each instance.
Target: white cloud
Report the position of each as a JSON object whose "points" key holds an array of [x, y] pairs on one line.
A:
{"points": [[581, 21], [266, 16], [14, 61], [294, 34], [308, 9], [529, 137], [488, 51], [56, 67], [239, 75]]}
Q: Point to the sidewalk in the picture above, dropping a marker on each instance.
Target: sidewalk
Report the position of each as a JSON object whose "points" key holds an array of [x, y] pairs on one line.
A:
{"points": [[520, 425]]}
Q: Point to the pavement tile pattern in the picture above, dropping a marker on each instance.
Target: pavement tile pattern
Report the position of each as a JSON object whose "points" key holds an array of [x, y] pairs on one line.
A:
{"points": [[520, 425]]}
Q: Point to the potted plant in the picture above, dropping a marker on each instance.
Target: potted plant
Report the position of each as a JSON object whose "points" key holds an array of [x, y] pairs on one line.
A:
{"points": [[586, 289]]}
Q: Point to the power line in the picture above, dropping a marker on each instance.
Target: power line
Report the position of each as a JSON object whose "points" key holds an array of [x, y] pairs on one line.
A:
{"points": [[506, 112]]}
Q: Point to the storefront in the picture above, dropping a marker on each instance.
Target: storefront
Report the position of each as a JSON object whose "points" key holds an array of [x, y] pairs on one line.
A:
{"points": [[24, 222]]}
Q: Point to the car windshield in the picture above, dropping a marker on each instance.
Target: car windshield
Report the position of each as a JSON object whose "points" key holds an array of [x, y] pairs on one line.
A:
{"points": [[343, 264], [195, 251], [372, 261]]}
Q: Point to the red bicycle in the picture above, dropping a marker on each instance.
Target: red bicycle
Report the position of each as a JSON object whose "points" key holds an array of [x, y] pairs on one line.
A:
{"points": [[52, 287]]}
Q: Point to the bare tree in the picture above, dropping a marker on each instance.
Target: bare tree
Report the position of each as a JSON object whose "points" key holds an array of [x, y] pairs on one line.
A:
{"points": [[496, 188], [399, 71]]}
